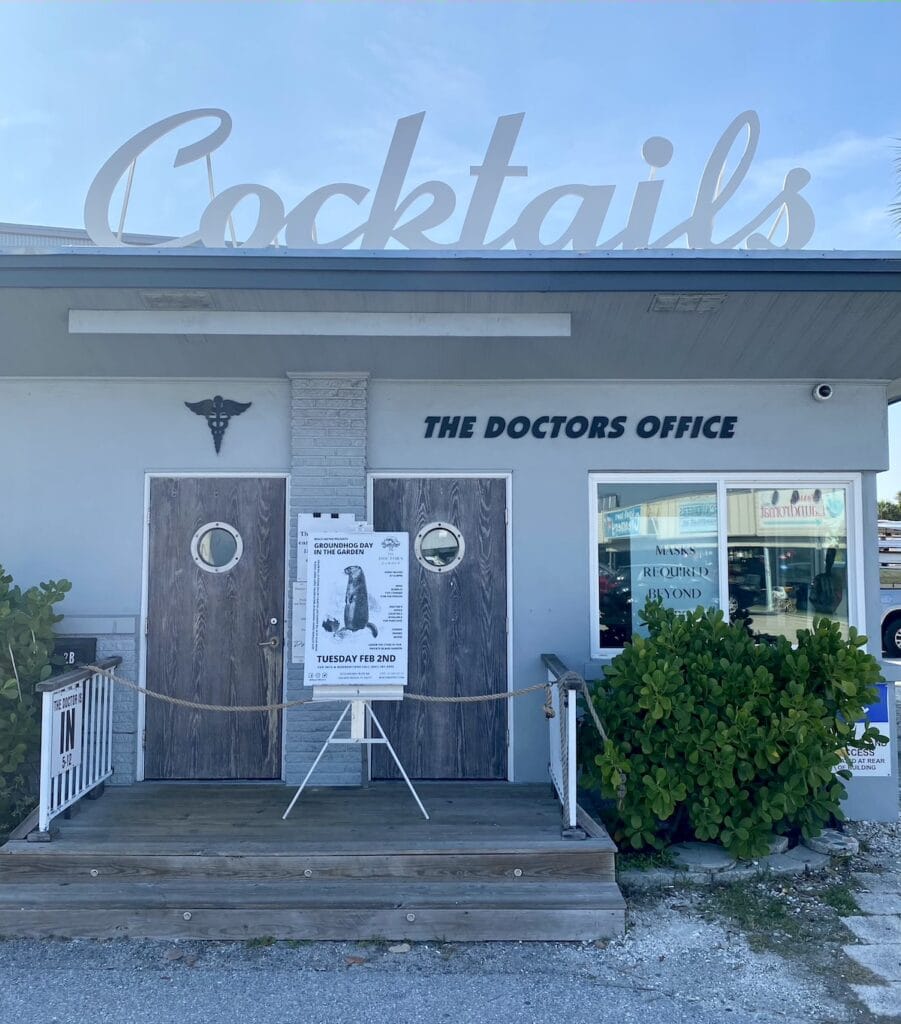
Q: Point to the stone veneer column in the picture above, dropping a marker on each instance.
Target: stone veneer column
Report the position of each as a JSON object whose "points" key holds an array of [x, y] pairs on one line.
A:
{"points": [[125, 706], [328, 474]]}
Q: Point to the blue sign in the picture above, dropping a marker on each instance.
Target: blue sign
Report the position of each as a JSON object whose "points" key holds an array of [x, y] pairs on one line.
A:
{"points": [[623, 522], [878, 712], [877, 762], [697, 516]]}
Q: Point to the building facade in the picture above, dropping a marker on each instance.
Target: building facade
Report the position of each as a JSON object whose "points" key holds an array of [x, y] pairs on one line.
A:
{"points": [[563, 436]]}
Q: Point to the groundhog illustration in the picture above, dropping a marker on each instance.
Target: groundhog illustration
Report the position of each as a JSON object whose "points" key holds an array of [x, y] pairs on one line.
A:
{"points": [[356, 602]]}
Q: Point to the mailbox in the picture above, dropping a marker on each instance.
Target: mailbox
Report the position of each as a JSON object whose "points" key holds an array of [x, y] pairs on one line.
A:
{"points": [[71, 651]]}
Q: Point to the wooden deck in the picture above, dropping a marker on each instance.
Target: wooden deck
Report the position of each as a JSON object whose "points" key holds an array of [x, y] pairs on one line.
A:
{"points": [[208, 860]]}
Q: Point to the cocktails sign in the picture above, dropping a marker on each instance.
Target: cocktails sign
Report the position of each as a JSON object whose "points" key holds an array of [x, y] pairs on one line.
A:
{"points": [[390, 223]]}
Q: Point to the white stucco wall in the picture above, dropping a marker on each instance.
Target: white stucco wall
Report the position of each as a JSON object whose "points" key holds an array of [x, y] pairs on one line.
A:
{"points": [[75, 455], [779, 429], [73, 464]]}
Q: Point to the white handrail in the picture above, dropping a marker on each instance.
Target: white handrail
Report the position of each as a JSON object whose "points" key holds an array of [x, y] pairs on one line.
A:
{"points": [[76, 738], [562, 764]]}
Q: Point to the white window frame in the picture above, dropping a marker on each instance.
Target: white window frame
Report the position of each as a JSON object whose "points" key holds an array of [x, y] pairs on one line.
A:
{"points": [[723, 481]]}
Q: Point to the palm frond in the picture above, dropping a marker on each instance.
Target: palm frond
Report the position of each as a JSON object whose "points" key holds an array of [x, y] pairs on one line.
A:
{"points": [[895, 208]]}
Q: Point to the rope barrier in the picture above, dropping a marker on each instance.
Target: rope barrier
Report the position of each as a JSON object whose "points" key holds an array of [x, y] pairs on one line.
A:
{"points": [[566, 681], [570, 680], [197, 705], [283, 705], [12, 659], [596, 718]]}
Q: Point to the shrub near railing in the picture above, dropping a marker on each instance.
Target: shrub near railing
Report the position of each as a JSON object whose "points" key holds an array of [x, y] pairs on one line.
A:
{"points": [[716, 737], [26, 647]]}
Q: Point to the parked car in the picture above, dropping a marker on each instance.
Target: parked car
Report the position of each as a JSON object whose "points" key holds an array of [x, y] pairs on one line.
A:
{"points": [[615, 605], [890, 587]]}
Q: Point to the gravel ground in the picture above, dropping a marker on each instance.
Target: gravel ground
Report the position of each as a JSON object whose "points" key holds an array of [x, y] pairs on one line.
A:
{"points": [[673, 966], [880, 844], [758, 952]]}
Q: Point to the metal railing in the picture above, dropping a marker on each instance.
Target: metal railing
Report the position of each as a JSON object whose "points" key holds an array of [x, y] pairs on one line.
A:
{"points": [[76, 738], [563, 766]]}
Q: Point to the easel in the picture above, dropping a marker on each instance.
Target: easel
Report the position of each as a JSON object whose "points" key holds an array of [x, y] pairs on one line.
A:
{"points": [[360, 707]]}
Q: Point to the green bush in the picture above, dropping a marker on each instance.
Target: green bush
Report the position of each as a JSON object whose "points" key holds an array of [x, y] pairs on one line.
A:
{"points": [[716, 737], [26, 648]]}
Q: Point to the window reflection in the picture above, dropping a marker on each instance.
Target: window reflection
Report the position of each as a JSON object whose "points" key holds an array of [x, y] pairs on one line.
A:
{"points": [[788, 557], [439, 547], [655, 540], [786, 551], [217, 547]]}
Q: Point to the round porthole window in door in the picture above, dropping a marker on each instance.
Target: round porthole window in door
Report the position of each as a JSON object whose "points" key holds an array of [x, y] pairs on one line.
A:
{"points": [[217, 547], [439, 547]]}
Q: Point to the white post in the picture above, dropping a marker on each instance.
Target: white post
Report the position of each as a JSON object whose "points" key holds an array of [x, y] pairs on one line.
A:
{"points": [[110, 699], [358, 720], [572, 769], [555, 753], [46, 754]]}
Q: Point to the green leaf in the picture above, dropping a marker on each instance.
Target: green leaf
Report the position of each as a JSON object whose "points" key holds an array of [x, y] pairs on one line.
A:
{"points": [[723, 738]]}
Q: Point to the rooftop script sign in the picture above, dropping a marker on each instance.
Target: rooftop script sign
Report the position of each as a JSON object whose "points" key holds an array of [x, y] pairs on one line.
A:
{"points": [[389, 222]]}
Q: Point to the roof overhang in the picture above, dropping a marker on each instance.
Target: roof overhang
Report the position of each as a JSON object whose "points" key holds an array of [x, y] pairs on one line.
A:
{"points": [[670, 315]]}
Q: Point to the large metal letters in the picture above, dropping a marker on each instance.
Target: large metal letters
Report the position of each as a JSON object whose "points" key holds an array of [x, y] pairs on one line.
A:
{"points": [[389, 224]]}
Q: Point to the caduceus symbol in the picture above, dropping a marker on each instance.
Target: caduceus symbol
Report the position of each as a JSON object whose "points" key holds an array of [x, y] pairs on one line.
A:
{"points": [[218, 411]]}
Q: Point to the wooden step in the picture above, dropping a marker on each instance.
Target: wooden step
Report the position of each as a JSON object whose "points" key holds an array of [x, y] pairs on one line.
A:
{"points": [[218, 861], [51, 862], [235, 909]]}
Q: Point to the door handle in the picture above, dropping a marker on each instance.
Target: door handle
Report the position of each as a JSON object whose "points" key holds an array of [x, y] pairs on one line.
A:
{"points": [[271, 642]]}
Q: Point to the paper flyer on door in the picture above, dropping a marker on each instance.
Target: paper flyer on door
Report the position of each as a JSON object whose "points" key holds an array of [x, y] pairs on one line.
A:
{"points": [[357, 598]]}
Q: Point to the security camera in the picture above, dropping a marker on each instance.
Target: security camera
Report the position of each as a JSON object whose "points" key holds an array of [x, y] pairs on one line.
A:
{"points": [[822, 392]]}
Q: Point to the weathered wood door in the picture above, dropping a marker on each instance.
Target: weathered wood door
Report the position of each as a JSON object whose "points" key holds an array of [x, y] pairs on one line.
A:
{"points": [[458, 631], [215, 626]]}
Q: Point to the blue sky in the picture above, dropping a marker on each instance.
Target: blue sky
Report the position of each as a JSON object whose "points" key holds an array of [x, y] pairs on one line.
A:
{"points": [[315, 90]]}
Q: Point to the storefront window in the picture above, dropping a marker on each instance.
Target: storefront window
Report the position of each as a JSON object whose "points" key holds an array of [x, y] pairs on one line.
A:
{"points": [[655, 540], [788, 556], [782, 546]]}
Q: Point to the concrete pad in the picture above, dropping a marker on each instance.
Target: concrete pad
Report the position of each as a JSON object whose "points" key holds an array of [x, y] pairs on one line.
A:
{"points": [[794, 862], [737, 873], [656, 878], [887, 881], [884, 961], [778, 844], [881, 1000], [876, 929], [878, 902], [782, 864], [702, 856], [833, 843]]}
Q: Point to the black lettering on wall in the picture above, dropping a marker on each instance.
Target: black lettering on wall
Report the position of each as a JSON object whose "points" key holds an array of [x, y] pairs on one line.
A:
{"points": [[617, 427], [495, 426], [648, 426], [577, 426], [518, 427], [541, 428]]}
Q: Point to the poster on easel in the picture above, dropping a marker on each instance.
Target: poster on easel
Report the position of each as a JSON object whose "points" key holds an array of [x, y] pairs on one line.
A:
{"points": [[357, 605], [309, 523]]}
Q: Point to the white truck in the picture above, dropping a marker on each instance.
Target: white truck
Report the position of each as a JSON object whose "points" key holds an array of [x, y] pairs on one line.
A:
{"points": [[890, 586]]}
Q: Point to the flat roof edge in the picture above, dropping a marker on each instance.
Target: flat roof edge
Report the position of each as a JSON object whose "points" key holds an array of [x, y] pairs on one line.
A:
{"points": [[157, 252], [451, 270]]}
